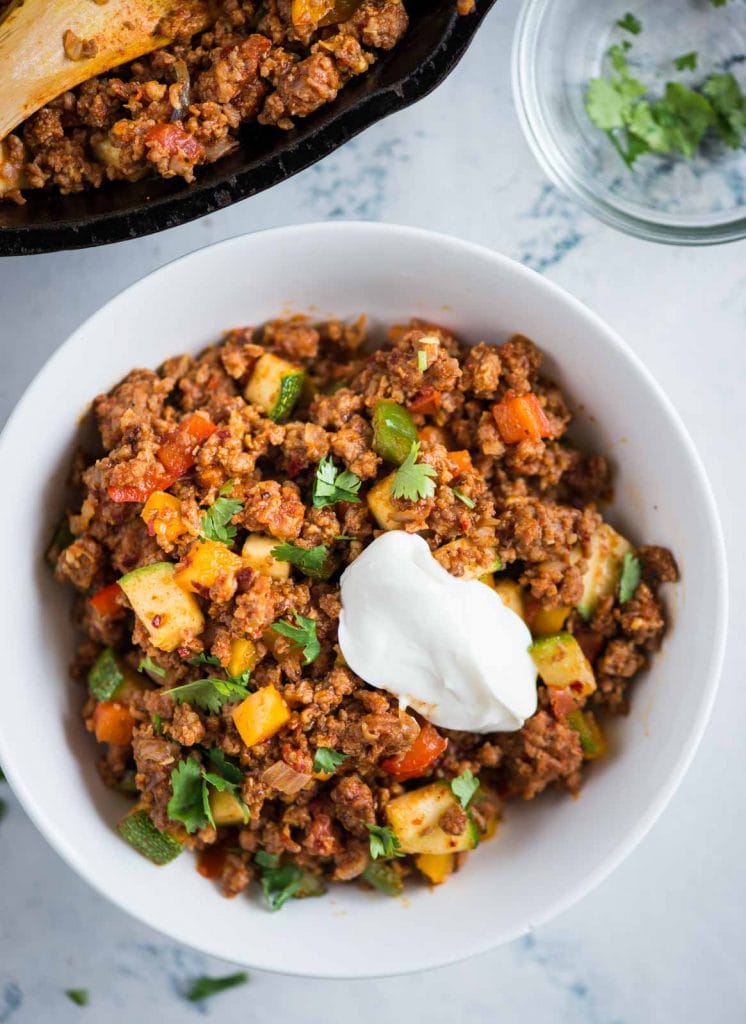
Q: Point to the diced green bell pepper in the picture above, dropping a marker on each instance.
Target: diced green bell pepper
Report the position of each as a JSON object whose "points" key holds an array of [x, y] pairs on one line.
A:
{"points": [[394, 431]]}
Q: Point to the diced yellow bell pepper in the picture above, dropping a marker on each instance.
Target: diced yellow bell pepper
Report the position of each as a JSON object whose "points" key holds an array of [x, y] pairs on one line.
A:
{"points": [[243, 656], [489, 580], [511, 594], [548, 621], [436, 867], [204, 563], [261, 715], [161, 514], [225, 808]]}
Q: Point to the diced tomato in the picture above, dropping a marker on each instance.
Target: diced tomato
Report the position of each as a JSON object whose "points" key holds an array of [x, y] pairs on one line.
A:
{"points": [[174, 141], [211, 862], [426, 401], [459, 462], [176, 455], [563, 700], [112, 723], [106, 601], [414, 762], [521, 418]]}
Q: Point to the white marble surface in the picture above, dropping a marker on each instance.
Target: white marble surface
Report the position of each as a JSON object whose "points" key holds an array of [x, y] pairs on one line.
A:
{"points": [[664, 938]]}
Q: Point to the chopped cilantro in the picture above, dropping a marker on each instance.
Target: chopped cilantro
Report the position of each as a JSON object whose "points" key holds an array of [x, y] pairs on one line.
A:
{"points": [[204, 987], [729, 105], [630, 24], [464, 786], [187, 804], [203, 659], [280, 881], [148, 665], [157, 725], [332, 485], [422, 360], [463, 497], [383, 842], [718, 3], [686, 61], [210, 694], [314, 562], [303, 635], [630, 578], [215, 522], [327, 760], [79, 996], [413, 480], [227, 769]]}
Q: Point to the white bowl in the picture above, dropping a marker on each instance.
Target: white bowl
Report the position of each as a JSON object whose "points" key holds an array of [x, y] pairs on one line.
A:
{"points": [[549, 852]]}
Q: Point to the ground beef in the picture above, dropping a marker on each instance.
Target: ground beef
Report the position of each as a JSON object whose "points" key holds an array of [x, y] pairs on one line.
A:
{"points": [[533, 505]]}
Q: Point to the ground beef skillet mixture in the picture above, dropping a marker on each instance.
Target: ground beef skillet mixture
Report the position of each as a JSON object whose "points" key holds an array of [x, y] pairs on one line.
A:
{"points": [[229, 492], [176, 108]]}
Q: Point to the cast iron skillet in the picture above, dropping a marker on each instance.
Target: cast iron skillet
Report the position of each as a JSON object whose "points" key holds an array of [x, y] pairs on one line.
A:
{"points": [[436, 40]]}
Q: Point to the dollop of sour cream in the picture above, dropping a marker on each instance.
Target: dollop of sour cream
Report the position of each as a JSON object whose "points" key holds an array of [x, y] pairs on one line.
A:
{"points": [[447, 647]]}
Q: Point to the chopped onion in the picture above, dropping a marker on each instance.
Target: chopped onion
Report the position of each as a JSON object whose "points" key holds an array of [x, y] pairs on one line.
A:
{"points": [[284, 778]]}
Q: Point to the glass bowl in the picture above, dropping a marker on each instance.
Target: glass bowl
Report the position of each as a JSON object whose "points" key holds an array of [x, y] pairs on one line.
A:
{"points": [[561, 44]]}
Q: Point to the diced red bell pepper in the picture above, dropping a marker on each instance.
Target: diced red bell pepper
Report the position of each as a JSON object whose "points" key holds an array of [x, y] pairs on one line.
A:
{"points": [[563, 700], [521, 418], [426, 401], [459, 462], [174, 141], [176, 456], [106, 601], [416, 761]]}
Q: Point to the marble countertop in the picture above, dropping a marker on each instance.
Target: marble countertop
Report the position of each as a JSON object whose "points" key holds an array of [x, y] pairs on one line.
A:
{"points": [[663, 939]]}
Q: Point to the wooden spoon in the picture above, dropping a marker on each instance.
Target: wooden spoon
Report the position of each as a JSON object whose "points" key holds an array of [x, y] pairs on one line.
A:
{"points": [[49, 46]]}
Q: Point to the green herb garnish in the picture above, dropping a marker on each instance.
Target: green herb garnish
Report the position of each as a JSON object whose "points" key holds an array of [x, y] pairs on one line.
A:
{"points": [[190, 802], [413, 480], [630, 24], [630, 578], [79, 996], [303, 635], [280, 881], [383, 842], [463, 497], [227, 769], [157, 725], [216, 519], [314, 562], [204, 987], [729, 104], [203, 659], [464, 786], [148, 665], [210, 694], [686, 61], [327, 760], [332, 485]]}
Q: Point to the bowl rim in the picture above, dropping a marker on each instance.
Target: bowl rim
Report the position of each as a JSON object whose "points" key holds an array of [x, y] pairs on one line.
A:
{"points": [[202, 198], [717, 638], [560, 171]]}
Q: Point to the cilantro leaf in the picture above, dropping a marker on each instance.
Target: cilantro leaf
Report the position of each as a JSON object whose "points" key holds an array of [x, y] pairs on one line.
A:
{"points": [[686, 115], [383, 842], [157, 725], [303, 635], [148, 665], [464, 786], [630, 24], [718, 3], [686, 61], [216, 519], [463, 497], [210, 694], [227, 769], [413, 480], [630, 578], [203, 659], [204, 986], [327, 760], [79, 996], [279, 881], [187, 803], [332, 485], [314, 562], [729, 105]]}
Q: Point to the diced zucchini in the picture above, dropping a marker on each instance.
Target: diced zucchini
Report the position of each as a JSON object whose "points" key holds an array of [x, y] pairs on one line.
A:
{"points": [[227, 809], [464, 554], [415, 818], [384, 876], [257, 554], [511, 594], [170, 614], [204, 563], [592, 739], [105, 675], [383, 506], [139, 831], [275, 386], [436, 867], [560, 662], [607, 551]]}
